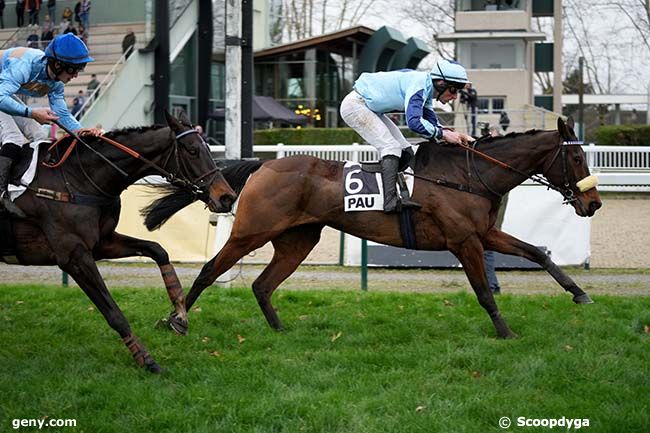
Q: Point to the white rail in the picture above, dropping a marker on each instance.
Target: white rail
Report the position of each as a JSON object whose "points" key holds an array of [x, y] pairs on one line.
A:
{"points": [[619, 168]]}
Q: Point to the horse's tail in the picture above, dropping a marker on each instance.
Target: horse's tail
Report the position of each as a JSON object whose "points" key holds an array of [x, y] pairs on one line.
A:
{"points": [[176, 198]]}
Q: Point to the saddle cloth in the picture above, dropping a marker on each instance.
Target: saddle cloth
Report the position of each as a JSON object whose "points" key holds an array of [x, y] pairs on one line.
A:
{"points": [[24, 170], [363, 190]]}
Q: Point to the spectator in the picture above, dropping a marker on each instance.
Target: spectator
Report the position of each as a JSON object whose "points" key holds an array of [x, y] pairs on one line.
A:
{"points": [[20, 13], [83, 33], [504, 121], [92, 85], [77, 10], [51, 10], [77, 103], [32, 39], [34, 8], [48, 31], [70, 29], [2, 12], [67, 14], [128, 42], [84, 14], [202, 134]]}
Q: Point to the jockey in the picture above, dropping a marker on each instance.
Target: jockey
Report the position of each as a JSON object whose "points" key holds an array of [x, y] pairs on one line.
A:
{"points": [[412, 92], [32, 72]]}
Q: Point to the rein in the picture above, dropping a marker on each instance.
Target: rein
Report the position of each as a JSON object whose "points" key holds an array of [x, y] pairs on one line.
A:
{"points": [[170, 177], [566, 192]]}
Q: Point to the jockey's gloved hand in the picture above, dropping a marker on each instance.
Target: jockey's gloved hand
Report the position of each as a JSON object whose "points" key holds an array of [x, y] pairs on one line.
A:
{"points": [[95, 132], [44, 115]]}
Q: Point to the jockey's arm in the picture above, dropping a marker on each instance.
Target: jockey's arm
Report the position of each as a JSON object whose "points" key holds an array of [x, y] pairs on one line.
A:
{"points": [[11, 78], [420, 119], [58, 105]]}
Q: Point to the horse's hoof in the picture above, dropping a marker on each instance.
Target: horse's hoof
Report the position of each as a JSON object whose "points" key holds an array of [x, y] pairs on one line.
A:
{"points": [[177, 325], [152, 366], [508, 335], [583, 299]]}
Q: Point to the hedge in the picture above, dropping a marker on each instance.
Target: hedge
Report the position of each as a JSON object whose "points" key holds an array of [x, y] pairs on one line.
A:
{"points": [[623, 135], [294, 136]]}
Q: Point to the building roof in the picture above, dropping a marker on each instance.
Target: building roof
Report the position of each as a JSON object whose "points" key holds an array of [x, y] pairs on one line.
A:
{"points": [[266, 108], [336, 42]]}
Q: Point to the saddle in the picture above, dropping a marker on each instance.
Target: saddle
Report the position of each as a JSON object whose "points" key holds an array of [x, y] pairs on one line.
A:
{"points": [[406, 160]]}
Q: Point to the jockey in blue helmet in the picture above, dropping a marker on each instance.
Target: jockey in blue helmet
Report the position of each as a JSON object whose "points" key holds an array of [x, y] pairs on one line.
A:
{"points": [[32, 72], [411, 92]]}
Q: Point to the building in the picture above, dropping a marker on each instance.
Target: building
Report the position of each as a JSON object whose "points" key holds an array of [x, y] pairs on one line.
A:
{"points": [[494, 40]]}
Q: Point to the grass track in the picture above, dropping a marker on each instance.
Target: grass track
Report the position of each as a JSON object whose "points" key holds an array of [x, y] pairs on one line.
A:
{"points": [[402, 362]]}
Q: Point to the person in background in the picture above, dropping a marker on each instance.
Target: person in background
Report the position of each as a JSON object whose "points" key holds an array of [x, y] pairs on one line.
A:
{"points": [[51, 10], [34, 73], [20, 13], [67, 14], [34, 8], [70, 29], [84, 14], [77, 104], [2, 12], [92, 85], [504, 121], [128, 42]]}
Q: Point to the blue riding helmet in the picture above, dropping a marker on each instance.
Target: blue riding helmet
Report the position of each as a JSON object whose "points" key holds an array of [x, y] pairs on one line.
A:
{"points": [[68, 48], [452, 72]]}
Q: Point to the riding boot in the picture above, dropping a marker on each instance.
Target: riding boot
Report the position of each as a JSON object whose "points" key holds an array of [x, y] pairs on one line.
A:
{"points": [[5, 173], [389, 166]]}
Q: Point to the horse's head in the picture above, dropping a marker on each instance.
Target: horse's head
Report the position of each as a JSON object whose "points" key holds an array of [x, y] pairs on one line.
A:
{"points": [[198, 167], [568, 171]]}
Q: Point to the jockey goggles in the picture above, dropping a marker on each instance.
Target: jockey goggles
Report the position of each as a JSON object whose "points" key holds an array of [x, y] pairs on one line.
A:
{"points": [[73, 68]]}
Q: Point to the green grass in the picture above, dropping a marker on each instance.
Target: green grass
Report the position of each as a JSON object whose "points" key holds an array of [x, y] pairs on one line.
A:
{"points": [[403, 362]]}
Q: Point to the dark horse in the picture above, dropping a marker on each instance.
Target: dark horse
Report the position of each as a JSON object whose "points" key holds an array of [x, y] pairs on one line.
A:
{"points": [[72, 211], [288, 202]]}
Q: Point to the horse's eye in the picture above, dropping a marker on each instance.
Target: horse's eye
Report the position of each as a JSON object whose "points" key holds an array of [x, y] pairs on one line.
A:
{"points": [[577, 159]]}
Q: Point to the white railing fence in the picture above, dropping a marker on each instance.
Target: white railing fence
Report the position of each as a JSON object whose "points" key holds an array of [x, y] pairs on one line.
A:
{"points": [[619, 168]]}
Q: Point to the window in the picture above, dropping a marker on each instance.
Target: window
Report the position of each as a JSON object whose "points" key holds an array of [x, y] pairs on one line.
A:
{"points": [[490, 104], [490, 5], [492, 54]]}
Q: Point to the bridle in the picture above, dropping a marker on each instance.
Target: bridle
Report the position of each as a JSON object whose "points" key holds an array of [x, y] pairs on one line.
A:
{"points": [[182, 178], [566, 191]]}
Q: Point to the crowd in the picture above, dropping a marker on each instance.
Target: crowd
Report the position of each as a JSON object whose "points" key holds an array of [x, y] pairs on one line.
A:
{"points": [[40, 34]]}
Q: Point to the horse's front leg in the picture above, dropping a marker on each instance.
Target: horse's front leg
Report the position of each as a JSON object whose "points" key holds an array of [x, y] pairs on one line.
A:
{"points": [[470, 254], [496, 240], [78, 262], [118, 246]]}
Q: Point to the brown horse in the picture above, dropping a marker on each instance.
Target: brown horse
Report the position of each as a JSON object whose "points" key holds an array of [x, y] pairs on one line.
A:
{"points": [[288, 202], [72, 210]]}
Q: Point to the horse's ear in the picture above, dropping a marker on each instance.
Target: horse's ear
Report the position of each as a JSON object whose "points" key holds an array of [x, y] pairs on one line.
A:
{"points": [[183, 119], [172, 122], [562, 129], [570, 123]]}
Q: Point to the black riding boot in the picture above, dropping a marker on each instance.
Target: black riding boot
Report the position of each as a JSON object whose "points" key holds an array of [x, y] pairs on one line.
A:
{"points": [[5, 173], [389, 165]]}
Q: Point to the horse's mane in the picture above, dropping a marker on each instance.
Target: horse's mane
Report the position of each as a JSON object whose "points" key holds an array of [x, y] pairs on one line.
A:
{"points": [[133, 129], [428, 149]]}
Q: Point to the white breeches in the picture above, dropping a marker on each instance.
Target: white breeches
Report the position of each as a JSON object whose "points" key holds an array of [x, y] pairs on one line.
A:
{"points": [[377, 129], [20, 130]]}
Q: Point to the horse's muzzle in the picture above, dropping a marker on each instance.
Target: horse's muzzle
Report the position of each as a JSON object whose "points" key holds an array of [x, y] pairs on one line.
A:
{"points": [[223, 205]]}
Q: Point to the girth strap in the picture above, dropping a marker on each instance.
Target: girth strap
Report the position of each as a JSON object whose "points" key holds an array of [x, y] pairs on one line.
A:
{"points": [[80, 199]]}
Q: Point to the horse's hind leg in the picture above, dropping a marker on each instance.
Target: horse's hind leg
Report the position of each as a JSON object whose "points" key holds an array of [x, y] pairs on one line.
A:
{"points": [[501, 242], [80, 265], [470, 255], [118, 246], [291, 248]]}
